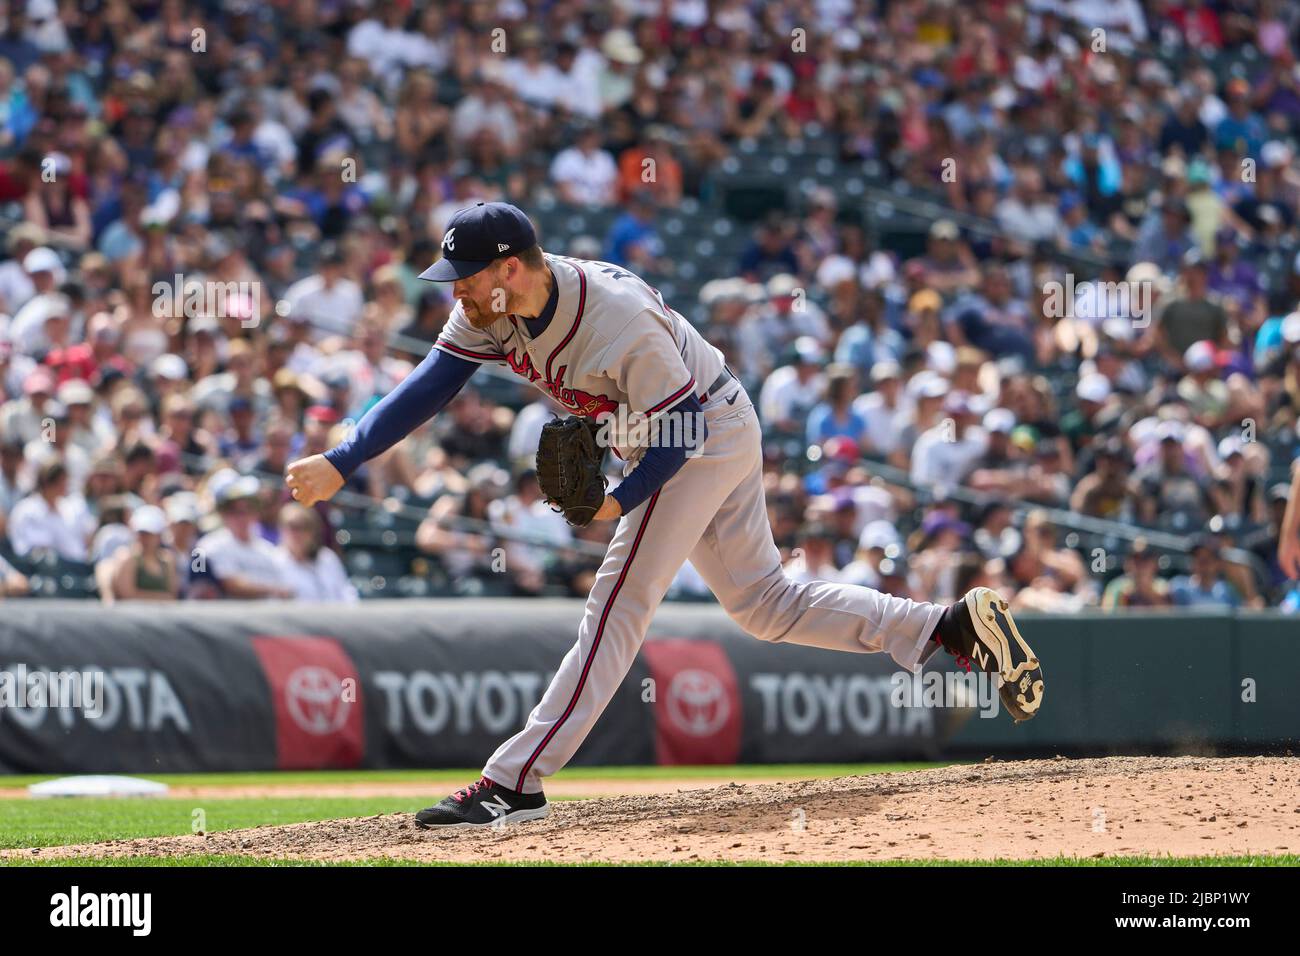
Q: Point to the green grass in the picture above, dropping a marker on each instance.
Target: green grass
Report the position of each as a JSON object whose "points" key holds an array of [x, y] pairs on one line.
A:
{"points": [[462, 776], [1122, 861], [25, 823]]}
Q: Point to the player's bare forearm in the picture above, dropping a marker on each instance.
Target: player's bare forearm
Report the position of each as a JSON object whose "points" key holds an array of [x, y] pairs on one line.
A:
{"points": [[609, 510]]}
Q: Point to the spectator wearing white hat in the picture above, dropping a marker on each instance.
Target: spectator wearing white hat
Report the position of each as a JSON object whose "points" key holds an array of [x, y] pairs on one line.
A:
{"points": [[884, 409], [183, 514], [28, 330], [44, 28], [945, 453], [923, 397], [879, 541], [85, 431], [145, 570], [16, 286], [787, 315], [999, 464], [616, 81], [22, 419], [243, 563], [168, 374], [1239, 491], [1095, 407], [791, 391], [1202, 388], [45, 269]]}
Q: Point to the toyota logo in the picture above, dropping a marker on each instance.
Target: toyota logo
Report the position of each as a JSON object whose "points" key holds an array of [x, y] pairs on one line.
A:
{"points": [[314, 696], [698, 703]]}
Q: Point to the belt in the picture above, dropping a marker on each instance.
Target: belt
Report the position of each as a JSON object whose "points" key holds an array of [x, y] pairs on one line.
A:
{"points": [[718, 383]]}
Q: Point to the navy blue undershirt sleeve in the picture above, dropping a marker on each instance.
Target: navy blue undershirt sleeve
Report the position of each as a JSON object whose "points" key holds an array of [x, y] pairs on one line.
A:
{"points": [[661, 462], [422, 394]]}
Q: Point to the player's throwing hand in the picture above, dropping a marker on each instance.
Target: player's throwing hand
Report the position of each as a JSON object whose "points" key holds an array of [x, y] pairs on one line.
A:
{"points": [[313, 479]]}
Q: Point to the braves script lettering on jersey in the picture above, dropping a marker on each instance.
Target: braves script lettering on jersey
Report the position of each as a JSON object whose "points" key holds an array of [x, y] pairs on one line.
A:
{"points": [[613, 343]]}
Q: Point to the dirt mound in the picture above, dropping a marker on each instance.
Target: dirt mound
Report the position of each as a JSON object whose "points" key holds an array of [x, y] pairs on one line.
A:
{"points": [[1042, 808]]}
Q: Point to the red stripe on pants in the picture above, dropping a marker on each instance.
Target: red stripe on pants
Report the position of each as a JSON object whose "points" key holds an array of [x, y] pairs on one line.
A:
{"points": [[595, 645]]}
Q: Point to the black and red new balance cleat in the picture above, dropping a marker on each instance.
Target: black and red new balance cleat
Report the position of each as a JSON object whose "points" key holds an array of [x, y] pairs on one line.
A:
{"points": [[483, 804], [980, 628]]}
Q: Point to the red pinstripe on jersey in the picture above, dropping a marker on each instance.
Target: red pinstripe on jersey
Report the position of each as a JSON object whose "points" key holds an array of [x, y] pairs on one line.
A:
{"points": [[674, 397], [577, 320], [480, 356]]}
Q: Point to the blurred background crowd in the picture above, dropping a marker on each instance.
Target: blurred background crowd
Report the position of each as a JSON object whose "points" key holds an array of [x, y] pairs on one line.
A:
{"points": [[893, 217]]}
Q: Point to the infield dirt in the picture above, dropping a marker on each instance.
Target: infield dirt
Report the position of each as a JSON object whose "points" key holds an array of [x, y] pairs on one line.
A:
{"points": [[1115, 806]]}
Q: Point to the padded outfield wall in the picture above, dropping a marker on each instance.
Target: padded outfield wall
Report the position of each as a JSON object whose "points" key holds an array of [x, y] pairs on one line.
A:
{"points": [[253, 686]]}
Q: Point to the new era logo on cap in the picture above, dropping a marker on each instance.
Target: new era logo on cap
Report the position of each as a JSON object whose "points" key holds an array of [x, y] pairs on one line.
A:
{"points": [[478, 235]]}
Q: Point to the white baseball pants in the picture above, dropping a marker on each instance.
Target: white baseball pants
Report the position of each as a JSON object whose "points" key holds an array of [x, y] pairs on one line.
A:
{"points": [[712, 512]]}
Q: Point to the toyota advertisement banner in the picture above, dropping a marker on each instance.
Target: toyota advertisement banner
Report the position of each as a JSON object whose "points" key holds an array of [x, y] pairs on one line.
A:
{"points": [[246, 686]]}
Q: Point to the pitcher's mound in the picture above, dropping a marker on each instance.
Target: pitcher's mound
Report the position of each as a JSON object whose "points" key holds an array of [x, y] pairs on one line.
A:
{"points": [[1117, 806]]}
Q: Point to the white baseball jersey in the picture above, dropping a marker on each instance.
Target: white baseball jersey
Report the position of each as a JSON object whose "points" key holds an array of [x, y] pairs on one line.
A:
{"points": [[612, 342], [614, 345]]}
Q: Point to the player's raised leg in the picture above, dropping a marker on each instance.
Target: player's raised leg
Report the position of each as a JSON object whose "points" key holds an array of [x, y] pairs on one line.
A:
{"points": [[739, 561]]}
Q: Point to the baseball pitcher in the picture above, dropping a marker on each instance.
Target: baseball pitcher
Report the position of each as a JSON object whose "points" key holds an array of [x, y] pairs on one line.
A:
{"points": [[605, 345]]}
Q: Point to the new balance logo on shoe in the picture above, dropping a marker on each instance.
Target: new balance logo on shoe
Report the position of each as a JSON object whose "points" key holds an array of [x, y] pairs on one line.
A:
{"points": [[483, 804]]}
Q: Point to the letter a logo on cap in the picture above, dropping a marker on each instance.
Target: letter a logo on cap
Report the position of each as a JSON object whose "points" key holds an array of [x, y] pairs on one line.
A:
{"points": [[449, 240]]}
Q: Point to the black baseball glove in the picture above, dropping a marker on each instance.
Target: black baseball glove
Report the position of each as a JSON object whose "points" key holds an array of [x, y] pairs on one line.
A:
{"points": [[568, 468]]}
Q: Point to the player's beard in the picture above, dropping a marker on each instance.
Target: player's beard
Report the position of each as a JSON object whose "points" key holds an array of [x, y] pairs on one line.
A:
{"points": [[476, 317], [480, 314]]}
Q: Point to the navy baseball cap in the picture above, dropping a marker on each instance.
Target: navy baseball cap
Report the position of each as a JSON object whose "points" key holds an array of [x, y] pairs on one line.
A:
{"points": [[479, 235]]}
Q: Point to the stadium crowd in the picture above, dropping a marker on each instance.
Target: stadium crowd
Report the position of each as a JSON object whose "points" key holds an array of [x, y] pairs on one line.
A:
{"points": [[937, 417]]}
